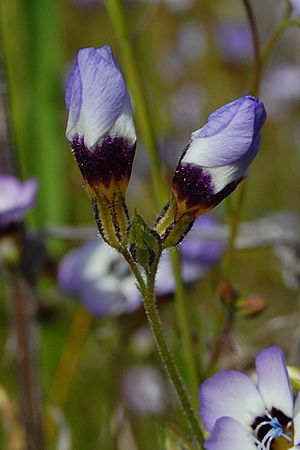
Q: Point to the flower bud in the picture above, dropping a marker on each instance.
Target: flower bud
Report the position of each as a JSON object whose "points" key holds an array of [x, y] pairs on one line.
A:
{"points": [[251, 306], [100, 126], [218, 156]]}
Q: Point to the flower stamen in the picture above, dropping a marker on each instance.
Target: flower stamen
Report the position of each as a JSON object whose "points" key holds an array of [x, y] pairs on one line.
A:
{"points": [[274, 432]]}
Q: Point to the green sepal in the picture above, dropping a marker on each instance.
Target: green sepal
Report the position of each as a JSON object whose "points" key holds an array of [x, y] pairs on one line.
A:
{"points": [[177, 230], [144, 243], [173, 439]]}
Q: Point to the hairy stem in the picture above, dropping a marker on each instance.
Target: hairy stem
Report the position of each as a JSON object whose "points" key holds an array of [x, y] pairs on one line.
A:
{"points": [[115, 10], [168, 359]]}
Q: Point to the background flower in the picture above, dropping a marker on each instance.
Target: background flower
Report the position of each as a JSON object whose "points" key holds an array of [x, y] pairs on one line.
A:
{"points": [[144, 389], [16, 199], [104, 284], [240, 415]]}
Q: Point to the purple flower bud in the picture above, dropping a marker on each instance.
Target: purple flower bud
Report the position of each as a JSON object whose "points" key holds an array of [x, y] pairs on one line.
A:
{"points": [[218, 155], [100, 126], [16, 199]]}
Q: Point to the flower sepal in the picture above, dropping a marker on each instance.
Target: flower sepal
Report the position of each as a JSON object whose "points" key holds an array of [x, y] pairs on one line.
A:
{"points": [[145, 243], [112, 219], [171, 226]]}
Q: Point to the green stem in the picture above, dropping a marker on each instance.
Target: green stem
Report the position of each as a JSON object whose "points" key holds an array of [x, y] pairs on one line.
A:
{"points": [[254, 88], [234, 228], [184, 328], [132, 74], [144, 121], [284, 25], [134, 268], [260, 57], [256, 47], [168, 359]]}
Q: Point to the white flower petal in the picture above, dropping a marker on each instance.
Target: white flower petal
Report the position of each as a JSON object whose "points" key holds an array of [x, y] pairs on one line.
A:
{"points": [[228, 145], [222, 176], [297, 420], [230, 393], [124, 125], [273, 380], [229, 434]]}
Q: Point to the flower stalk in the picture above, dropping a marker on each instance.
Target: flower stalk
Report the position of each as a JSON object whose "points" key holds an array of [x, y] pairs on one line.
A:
{"points": [[116, 13], [167, 357]]}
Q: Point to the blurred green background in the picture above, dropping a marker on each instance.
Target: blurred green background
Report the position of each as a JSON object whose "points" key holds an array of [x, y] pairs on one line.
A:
{"points": [[187, 73]]}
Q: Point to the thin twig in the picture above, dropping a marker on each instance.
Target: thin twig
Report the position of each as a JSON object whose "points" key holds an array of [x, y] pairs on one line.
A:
{"points": [[254, 88]]}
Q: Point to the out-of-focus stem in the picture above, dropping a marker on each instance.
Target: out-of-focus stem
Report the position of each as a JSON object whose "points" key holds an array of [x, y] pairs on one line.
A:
{"points": [[284, 25], [68, 361], [256, 47], [7, 158], [260, 57], [254, 88], [22, 298], [23, 310], [222, 340], [234, 222], [132, 74], [184, 327]]}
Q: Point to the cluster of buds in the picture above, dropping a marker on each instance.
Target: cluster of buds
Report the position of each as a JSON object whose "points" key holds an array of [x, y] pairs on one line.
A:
{"points": [[102, 135]]}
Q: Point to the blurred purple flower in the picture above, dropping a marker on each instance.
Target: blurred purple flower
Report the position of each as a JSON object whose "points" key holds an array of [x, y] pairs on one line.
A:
{"points": [[241, 415], [187, 105], [280, 101], [16, 199], [101, 279], [100, 126], [296, 6], [105, 286], [218, 155], [170, 64], [234, 41], [179, 5], [191, 42], [144, 390]]}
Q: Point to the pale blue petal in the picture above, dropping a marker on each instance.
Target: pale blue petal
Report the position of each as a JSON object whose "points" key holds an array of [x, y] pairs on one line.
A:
{"points": [[229, 434], [273, 380], [95, 93], [103, 93], [230, 393], [231, 134], [297, 420], [73, 97]]}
